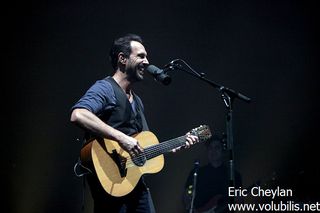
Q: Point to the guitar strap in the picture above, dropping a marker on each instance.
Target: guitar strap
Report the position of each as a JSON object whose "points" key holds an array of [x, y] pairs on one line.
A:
{"points": [[81, 171]]}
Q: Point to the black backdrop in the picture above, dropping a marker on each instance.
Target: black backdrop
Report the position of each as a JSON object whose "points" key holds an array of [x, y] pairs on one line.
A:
{"points": [[54, 50]]}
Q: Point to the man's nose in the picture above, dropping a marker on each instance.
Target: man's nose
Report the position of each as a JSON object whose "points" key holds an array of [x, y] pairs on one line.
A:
{"points": [[145, 61]]}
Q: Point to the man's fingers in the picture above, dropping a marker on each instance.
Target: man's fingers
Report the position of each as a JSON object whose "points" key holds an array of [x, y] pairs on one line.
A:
{"points": [[190, 140], [137, 149]]}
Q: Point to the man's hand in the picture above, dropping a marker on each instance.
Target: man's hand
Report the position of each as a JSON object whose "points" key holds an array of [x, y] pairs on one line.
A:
{"points": [[190, 140], [130, 145]]}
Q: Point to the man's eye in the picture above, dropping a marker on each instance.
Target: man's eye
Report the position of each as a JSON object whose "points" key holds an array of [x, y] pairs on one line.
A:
{"points": [[141, 56]]}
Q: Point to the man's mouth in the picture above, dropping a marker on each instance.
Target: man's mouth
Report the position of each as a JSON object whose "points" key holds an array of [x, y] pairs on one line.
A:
{"points": [[141, 69]]}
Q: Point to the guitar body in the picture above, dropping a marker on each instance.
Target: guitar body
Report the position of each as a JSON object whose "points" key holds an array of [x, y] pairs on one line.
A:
{"points": [[105, 156]]}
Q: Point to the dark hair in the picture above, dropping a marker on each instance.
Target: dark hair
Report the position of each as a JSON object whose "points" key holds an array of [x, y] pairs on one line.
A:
{"points": [[122, 44]]}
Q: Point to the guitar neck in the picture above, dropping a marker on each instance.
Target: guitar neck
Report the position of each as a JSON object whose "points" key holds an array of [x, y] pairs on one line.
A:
{"points": [[164, 147]]}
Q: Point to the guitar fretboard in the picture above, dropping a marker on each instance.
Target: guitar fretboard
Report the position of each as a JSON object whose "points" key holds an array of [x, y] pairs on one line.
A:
{"points": [[164, 147]]}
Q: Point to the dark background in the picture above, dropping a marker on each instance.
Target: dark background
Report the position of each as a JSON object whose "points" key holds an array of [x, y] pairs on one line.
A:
{"points": [[54, 50]]}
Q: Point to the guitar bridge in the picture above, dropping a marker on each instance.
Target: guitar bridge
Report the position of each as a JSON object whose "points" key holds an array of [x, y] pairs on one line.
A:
{"points": [[120, 162]]}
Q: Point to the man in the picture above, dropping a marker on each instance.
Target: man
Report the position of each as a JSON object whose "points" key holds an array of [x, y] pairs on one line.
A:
{"points": [[211, 195], [110, 109]]}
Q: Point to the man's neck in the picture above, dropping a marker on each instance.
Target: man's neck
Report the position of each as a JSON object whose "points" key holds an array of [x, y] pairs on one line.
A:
{"points": [[122, 80]]}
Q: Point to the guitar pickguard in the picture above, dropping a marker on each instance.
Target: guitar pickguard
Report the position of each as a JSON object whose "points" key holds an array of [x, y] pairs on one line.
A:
{"points": [[120, 162]]}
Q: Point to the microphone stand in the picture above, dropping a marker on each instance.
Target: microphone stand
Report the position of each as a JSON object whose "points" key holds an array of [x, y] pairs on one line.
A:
{"points": [[194, 186], [228, 95]]}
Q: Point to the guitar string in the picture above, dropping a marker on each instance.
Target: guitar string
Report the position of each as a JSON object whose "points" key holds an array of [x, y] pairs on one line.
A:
{"points": [[153, 150], [167, 145]]}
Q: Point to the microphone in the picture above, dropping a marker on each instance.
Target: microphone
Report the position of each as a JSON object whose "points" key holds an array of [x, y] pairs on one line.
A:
{"points": [[159, 74]]}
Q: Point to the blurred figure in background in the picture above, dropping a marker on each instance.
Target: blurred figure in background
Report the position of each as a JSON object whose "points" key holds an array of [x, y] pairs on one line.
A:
{"points": [[212, 181]]}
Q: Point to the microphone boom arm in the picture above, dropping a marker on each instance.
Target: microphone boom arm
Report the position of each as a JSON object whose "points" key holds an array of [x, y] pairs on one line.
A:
{"points": [[176, 65]]}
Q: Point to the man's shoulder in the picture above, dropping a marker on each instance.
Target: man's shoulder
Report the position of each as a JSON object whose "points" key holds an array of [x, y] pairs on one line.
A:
{"points": [[104, 81], [103, 84], [101, 89]]}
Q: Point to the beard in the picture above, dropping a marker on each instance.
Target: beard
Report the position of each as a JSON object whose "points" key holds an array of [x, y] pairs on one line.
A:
{"points": [[135, 73]]}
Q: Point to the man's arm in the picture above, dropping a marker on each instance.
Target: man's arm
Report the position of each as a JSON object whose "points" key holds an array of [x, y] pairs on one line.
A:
{"points": [[90, 122]]}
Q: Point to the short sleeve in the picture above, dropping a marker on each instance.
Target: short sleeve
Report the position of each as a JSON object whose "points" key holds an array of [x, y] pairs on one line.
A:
{"points": [[98, 98]]}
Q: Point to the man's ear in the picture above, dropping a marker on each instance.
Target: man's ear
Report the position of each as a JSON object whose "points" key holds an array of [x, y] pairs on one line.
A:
{"points": [[121, 58]]}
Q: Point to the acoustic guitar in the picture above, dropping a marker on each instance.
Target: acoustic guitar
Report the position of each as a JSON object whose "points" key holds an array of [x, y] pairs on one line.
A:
{"points": [[118, 171]]}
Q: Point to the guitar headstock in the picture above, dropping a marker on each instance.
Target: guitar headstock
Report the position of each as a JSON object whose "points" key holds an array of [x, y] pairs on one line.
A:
{"points": [[203, 132]]}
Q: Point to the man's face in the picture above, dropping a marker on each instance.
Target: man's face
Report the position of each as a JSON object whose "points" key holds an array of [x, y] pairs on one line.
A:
{"points": [[136, 62]]}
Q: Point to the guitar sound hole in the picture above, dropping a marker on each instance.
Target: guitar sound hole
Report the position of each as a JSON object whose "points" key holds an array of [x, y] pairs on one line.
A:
{"points": [[139, 160]]}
